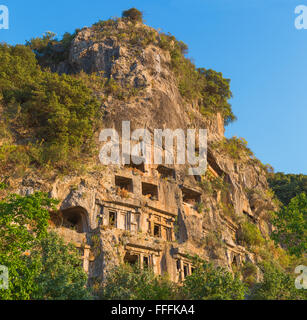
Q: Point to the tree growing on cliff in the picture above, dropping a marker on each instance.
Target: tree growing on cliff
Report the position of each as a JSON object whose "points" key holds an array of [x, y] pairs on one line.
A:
{"points": [[291, 225], [54, 116], [133, 14], [61, 274], [276, 285], [287, 186], [40, 265], [23, 221]]}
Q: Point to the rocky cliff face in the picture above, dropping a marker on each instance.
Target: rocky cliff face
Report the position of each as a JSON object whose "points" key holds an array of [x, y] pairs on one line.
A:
{"points": [[149, 214]]}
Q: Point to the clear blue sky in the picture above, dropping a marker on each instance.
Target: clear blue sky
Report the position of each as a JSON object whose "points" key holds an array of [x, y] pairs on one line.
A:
{"points": [[253, 42]]}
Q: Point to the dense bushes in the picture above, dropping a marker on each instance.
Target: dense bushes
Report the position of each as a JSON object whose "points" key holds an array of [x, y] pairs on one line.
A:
{"points": [[49, 50], [52, 117], [208, 87], [40, 265], [276, 285], [287, 186], [61, 275], [250, 235], [132, 283], [206, 283], [290, 220], [235, 147], [213, 283], [291, 225]]}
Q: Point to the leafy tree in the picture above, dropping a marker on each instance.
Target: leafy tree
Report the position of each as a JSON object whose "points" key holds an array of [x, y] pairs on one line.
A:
{"points": [[133, 14], [287, 186], [235, 147], [276, 285], [23, 221], [39, 44], [213, 283], [61, 275], [215, 94], [291, 225], [54, 116], [49, 50], [132, 283], [40, 265]]}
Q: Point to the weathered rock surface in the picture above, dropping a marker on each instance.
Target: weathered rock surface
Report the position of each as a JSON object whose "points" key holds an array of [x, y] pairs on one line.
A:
{"points": [[109, 204]]}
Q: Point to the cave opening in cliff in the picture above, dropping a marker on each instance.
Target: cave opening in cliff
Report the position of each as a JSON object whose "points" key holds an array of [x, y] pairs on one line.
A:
{"points": [[140, 167], [146, 261], [150, 190], [186, 270], [166, 172], [178, 265], [235, 261], [132, 162], [112, 218], [190, 196], [128, 216], [131, 259], [75, 218], [157, 230], [124, 183]]}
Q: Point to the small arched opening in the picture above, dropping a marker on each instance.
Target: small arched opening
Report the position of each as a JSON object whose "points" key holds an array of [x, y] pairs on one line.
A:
{"points": [[75, 218]]}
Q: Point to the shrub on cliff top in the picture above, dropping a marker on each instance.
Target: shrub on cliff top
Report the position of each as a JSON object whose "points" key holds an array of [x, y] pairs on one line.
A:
{"points": [[133, 14]]}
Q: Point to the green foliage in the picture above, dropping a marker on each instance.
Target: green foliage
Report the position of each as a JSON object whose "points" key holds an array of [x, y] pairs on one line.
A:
{"points": [[235, 147], [291, 225], [287, 186], [212, 184], [206, 283], [54, 116], [249, 234], [23, 221], [137, 37], [49, 50], [249, 273], [61, 275], [40, 265], [40, 43], [200, 207], [132, 283], [276, 285], [133, 14], [213, 283], [208, 87], [215, 93]]}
